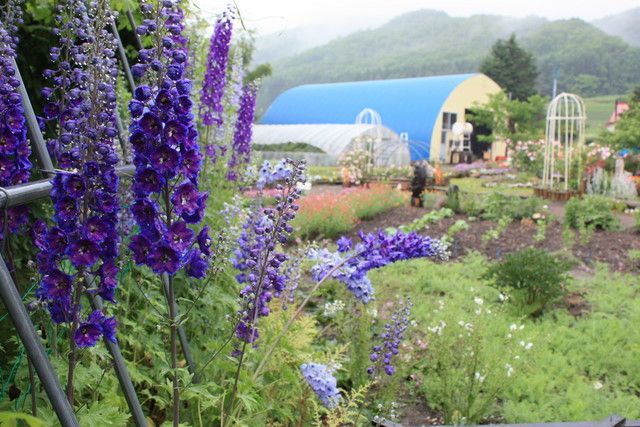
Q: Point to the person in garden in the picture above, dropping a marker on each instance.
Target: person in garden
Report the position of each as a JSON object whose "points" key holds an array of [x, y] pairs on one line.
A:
{"points": [[418, 183]]}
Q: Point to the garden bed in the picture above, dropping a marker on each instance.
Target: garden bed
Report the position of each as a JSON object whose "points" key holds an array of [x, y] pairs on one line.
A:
{"points": [[610, 247]]}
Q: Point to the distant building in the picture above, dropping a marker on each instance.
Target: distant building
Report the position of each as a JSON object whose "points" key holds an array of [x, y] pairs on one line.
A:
{"points": [[618, 109], [422, 110]]}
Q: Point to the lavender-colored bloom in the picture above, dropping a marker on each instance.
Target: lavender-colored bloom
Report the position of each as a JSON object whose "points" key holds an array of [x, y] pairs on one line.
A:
{"points": [[166, 153], [82, 109], [257, 256], [322, 382], [383, 353], [215, 77], [241, 148], [15, 167], [344, 244], [375, 250]]}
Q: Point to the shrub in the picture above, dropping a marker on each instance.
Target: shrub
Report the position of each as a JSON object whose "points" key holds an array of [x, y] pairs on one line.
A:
{"points": [[532, 278], [591, 212], [498, 206], [471, 360]]}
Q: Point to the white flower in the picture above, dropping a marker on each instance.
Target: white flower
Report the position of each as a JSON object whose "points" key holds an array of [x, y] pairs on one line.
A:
{"points": [[502, 297], [509, 370], [480, 377], [597, 385], [333, 308], [478, 300]]}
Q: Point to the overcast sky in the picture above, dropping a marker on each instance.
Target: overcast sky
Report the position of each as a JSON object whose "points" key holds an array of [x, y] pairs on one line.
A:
{"points": [[268, 16]]}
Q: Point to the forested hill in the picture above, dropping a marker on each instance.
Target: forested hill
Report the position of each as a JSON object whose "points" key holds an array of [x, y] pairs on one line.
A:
{"points": [[423, 43]]}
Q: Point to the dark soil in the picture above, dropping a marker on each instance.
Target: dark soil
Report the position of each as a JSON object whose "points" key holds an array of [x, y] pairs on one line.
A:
{"points": [[610, 247]]}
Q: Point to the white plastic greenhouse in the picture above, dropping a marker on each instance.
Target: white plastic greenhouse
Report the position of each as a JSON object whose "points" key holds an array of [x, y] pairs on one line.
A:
{"points": [[335, 139]]}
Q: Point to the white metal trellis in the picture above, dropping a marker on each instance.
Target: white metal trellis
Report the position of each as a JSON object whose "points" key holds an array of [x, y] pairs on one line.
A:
{"points": [[566, 119], [369, 116]]}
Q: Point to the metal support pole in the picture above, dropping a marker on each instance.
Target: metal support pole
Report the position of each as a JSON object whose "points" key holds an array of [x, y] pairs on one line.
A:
{"points": [[22, 322], [32, 123], [123, 57], [132, 22], [122, 136], [122, 373], [182, 335], [29, 192]]}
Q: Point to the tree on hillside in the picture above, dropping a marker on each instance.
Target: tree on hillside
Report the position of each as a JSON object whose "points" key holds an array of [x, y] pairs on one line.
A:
{"points": [[511, 119], [512, 67]]}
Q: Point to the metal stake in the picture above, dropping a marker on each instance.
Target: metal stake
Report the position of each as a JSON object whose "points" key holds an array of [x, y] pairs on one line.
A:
{"points": [[122, 373], [123, 57], [31, 341], [182, 335], [32, 123]]}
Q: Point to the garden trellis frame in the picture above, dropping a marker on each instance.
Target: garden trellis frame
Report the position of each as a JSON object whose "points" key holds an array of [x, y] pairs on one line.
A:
{"points": [[565, 133], [25, 193]]}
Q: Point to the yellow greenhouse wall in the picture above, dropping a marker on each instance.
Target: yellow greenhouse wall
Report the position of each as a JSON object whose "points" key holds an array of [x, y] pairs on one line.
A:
{"points": [[473, 91]]}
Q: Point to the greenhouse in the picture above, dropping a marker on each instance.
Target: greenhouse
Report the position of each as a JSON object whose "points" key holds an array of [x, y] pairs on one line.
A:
{"points": [[386, 147], [422, 110]]}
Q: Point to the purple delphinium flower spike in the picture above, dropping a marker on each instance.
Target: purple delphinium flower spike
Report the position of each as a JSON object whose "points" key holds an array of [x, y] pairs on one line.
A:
{"points": [[375, 250], [15, 167], [11, 17], [257, 257], [78, 253], [322, 382], [383, 352], [213, 85], [166, 152], [241, 147]]}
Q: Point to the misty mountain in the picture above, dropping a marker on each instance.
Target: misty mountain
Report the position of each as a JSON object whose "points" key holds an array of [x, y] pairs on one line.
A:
{"points": [[427, 42], [288, 42], [625, 25]]}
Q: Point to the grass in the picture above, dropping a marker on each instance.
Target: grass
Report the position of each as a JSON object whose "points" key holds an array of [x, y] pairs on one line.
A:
{"points": [[599, 110], [475, 186], [577, 369]]}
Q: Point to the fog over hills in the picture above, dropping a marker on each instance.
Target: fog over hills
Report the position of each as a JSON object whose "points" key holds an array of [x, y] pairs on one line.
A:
{"points": [[427, 42]]}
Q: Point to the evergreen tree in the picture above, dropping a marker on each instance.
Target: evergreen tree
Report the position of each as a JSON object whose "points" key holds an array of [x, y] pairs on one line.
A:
{"points": [[512, 67]]}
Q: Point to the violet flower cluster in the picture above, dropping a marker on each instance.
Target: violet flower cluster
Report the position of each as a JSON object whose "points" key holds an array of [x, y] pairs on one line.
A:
{"points": [[78, 253], [213, 85], [166, 152], [11, 17], [257, 257], [350, 264], [323, 383], [241, 147], [15, 167], [383, 353]]}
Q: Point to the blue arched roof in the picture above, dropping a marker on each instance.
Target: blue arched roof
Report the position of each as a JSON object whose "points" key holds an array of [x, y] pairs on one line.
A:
{"points": [[405, 105]]}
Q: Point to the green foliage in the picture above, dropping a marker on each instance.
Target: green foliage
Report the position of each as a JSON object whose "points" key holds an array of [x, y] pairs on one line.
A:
{"points": [[512, 67], [429, 200], [569, 373], [498, 230], [532, 278], [590, 213], [515, 120], [12, 419], [627, 129], [497, 206], [289, 147], [426, 219]]}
